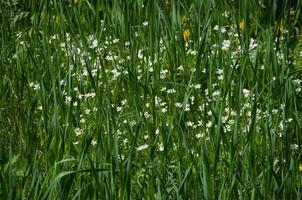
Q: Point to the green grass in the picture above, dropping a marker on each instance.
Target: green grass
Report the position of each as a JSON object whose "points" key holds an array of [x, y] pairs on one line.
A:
{"points": [[107, 100]]}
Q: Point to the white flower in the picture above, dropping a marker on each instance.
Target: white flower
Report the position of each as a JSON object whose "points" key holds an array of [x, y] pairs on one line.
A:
{"points": [[245, 92], [253, 44], [109, 57], [163, 104], [133, 123], [297, 81], [220, 77], [142, 147], [68, 99], [226, 45], [163, 73], [92, 94], [94, 72], [180, 68], [192, 52], [163, 89], [281, 125], [199, 135], [147, 115], [219, 71], [124, 102], [125, 141], [222, 30], [78, 131], [216, 93], [190, 124], [294, 146], [224, 119], [115, 40], [209, 124], [178, 105], [140, 54], [161, 147], [62, 82], [226, 14], [197, 86], [192, 98], [93, 142], [145, 23], [94, 44], [187, 108], [164, 110], [115, 73], [171, 91]]}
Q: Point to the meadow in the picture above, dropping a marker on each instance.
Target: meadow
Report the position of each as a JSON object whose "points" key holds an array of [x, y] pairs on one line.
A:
{"points": [[150, 99]]}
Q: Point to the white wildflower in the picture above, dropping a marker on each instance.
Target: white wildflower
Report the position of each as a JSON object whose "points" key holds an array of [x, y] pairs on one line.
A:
{"points": [[78, 131], [245, 92], [171, 91], [189, 124], [178, 105], [93, 142], [145, 23], [142, 147], [161, 147], [209, 124], [226, 45]]}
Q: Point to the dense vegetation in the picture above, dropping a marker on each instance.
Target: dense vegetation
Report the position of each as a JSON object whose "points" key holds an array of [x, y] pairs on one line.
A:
{"points": [[150, 99]]}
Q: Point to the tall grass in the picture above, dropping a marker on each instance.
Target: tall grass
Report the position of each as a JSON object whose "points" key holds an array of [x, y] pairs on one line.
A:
{"points": [[154, 99]]}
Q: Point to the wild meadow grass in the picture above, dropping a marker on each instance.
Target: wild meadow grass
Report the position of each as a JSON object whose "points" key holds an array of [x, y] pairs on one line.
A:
{"points": [[146, 99]]}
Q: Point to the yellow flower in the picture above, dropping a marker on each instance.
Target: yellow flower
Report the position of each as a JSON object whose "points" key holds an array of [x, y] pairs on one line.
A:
{"points": [[186, 35], [242, 24], [300, 167]]}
